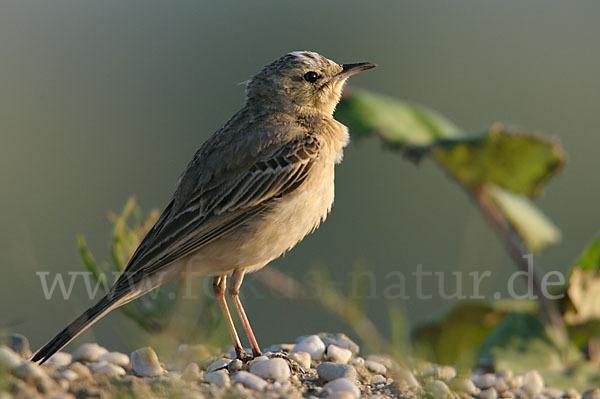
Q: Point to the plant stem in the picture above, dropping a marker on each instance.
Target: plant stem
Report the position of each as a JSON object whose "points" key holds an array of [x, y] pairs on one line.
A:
{"points": [[518, 253]]}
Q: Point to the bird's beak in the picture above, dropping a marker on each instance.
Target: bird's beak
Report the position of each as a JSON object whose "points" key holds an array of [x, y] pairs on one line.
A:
{"points": [[353, 69]]}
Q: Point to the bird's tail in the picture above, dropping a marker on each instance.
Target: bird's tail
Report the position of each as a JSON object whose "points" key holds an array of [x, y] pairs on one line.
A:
{"points": [[79, 325]]}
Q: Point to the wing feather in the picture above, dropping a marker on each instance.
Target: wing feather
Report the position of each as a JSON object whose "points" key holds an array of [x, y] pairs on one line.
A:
{"points": [[211, 213]]}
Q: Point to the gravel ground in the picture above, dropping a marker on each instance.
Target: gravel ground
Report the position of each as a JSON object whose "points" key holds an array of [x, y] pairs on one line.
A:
{"points": [[316, 366]]}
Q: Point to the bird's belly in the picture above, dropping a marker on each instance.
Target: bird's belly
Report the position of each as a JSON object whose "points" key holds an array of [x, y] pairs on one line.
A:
{"points": [[283, 225]]}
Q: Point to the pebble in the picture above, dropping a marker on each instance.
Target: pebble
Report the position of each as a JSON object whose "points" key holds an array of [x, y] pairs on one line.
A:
{"points": [[376, 367], [516, 382], [571, 394], [385, 360], [484, 381], [507, 395], [533, 383], [378, 379], [274, 369], [20, 345], [440, 372], [340, 340], [489, 393], [69, 375], [107, 369], [144, 362], [33, 374], [117, 358], [340, 385], [89, 352], [504, 373], [282, 386], [191, 372], [500, 385], [337, 354], [332, 371], [258, 359], [29, 371], [591, 394], [218, 364], [438, 389], [357, 362], [313, 345], [219, 378], [405, 377], [249, 380], [235, 365], [552, 393], [9, 359], [302, 358], [82, 370], [463, 385], [60, 359]]}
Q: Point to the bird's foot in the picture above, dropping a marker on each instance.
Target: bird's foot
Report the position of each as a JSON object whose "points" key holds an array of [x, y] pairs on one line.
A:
{"points": [[244, 357]]}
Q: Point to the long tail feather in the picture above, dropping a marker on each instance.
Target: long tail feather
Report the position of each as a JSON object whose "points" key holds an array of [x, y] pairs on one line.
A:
{"points": [[79, 325]]}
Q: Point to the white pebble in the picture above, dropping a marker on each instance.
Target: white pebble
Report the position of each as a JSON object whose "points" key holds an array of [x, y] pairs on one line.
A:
{"points": [[337, 354], [332, 371], [249, 380], [89, 352], [438, 389], [59, 359], [29, 371], [107, 369], [218, 364], [145, 363], [378, 379], [82, 370], [258, 359], [117, 358], [281, 386], [464, 385], [191, 372], [311, 344], [376, 367], [357, 361], [274, 369], [69, 375], [533, 383], [484, 381], [489, 393], [9, 359], [219, 378], [405, 377], [342, 385], [302, 358], [500, 385]]}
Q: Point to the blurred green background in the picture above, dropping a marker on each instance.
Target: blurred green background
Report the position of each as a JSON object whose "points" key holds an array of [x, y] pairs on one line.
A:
{"points": [[101, 100]]}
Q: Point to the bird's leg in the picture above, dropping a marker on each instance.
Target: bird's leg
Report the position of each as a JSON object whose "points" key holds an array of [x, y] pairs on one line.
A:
{"points": [[234, 292], [219, 286]]}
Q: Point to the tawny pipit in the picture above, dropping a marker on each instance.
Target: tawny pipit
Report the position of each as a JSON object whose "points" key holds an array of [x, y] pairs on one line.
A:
{"points": [[254, 189]]}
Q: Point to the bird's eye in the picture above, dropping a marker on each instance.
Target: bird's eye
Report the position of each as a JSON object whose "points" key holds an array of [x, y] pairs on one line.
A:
{"points": [[311, 77]]}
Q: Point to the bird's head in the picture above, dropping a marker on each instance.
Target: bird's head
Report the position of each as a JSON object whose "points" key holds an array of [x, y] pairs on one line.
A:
{"points": [[301, 81]]}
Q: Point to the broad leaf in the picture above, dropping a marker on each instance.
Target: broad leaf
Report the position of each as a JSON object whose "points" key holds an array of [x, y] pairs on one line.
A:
{"points": [[536, 230], [398, 123]]}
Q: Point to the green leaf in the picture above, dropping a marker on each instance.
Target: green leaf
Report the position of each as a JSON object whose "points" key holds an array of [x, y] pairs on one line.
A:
{"points": [[399, 123], [519, 162], [536, 230], [520, 343], [511, 165], [590, 258], [456, 336]]}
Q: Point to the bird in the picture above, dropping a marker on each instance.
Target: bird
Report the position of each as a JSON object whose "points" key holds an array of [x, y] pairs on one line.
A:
{"points": [[253, 190]]}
